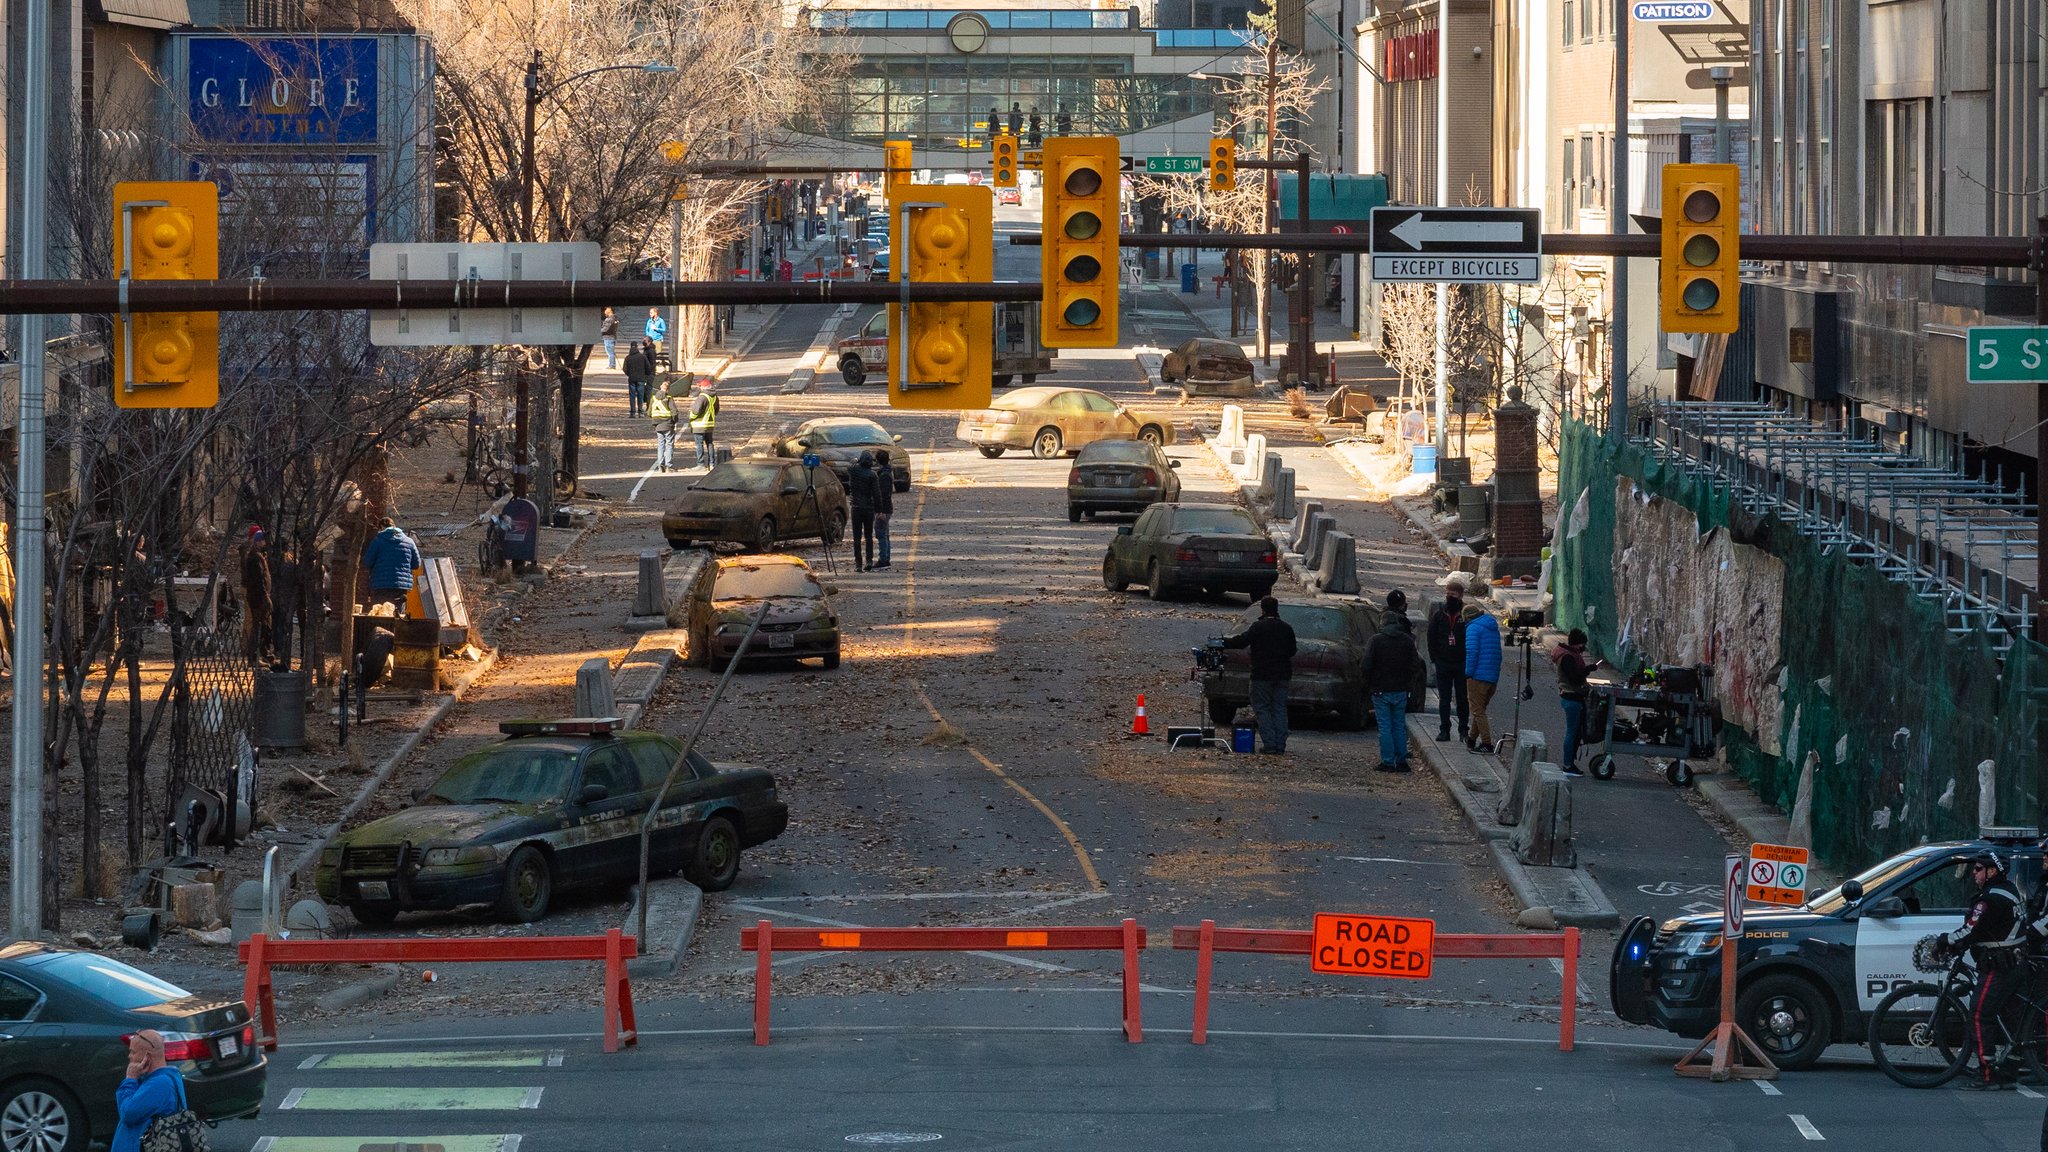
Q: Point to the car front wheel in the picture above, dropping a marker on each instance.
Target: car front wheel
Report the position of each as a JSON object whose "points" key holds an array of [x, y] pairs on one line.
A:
{"points": [[39, 1115], [1789, 1019], [716, 862], [1151, 434], [1113, 575], [853, 371], [529, 885], [764, 535]]}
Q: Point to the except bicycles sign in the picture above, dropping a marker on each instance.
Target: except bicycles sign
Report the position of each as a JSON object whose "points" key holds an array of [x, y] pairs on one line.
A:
{"points": [[1776, 874]]}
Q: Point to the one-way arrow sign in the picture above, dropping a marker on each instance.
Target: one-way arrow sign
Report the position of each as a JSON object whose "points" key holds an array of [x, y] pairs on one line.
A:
{"points": [[1457, 245]]}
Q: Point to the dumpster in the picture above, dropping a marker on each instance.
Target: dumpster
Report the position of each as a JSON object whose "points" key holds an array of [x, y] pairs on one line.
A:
{"points": [[1151, 260]]}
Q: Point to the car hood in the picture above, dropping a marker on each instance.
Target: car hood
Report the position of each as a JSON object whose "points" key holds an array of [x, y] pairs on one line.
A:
{"points": [[781, 610], [445, 824], [846, 455], [1752, 918], [702, 503]]}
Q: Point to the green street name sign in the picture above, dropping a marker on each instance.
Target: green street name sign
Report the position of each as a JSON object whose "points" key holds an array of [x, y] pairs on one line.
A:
{"points": [[2008, 354], [1172, 165]]}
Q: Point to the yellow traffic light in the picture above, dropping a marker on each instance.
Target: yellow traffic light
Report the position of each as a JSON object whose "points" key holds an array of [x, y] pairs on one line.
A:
{"points": [[167, 230], [895, 165], [675, 152], [952, 346], [1222, 164], [1003, 159], [1079, 259], [1699, 286]]}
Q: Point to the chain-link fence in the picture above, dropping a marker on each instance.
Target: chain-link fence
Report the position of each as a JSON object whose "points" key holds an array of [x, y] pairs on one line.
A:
{"points": [[211, 717]]}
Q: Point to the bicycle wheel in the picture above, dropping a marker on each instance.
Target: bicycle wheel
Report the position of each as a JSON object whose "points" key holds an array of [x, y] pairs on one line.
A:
{"points": [[1920, 1035], [2034, 1039]]}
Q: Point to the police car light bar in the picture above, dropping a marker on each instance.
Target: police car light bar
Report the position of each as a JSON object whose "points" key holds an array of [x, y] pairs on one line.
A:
{"points": [[2013, 832], [569, 726]]}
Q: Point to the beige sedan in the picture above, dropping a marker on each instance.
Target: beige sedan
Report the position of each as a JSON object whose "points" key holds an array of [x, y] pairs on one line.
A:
{"points": [[1056, 421]]}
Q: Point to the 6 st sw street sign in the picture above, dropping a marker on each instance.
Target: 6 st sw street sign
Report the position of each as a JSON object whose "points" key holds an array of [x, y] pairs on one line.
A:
{"points": [[1171, 165], [2008, 354], [1457, 245]]}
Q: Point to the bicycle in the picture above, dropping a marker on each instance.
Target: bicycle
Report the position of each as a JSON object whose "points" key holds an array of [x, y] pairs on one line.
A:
{"points": [[1921, 1034]]}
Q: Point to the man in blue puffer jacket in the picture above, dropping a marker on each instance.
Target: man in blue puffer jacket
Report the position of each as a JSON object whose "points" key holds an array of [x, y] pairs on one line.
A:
{"points": [[1482, 671], [390, 558]]}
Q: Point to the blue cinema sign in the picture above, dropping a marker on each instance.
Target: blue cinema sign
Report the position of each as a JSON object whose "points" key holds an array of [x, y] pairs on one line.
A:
{"points": [[315, 90], [1673, 11]]}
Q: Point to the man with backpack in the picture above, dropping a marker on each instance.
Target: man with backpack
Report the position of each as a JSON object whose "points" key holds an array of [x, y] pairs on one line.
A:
{"points": [[704, 421], [861, 489], [639, 370], [1447, 659]]}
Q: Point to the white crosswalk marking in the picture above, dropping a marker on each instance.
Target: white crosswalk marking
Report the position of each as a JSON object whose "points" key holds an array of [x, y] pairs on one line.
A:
{"points": [[1806, 1127]]}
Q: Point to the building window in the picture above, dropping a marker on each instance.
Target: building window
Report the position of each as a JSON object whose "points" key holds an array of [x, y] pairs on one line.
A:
{"points": [[1588, 180], [1568, 187], [1568, 25], [1900, 156], [1205, 15], [1586, 19]]}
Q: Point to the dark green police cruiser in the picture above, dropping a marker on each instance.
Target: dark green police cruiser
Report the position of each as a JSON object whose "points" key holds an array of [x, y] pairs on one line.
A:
{"points": [[1810, 976], [556, 804]]}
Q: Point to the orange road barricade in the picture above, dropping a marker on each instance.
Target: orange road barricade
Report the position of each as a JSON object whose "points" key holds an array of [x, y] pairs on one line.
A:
{"points": [[1207, 940], [259, 952], [765, 939]]}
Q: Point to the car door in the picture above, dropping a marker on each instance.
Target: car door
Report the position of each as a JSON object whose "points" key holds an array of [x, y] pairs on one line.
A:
{"points": [[1129, 547], [27, 1045], [602, 841], [793, 510], [1105, 420], [1935, 895], [1070, 415], [1169, 485], [874, 341], [675, 827]]}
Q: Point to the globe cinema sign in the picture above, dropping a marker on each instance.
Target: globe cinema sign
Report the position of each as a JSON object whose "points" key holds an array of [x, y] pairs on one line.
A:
{"points": [[305, 91]]}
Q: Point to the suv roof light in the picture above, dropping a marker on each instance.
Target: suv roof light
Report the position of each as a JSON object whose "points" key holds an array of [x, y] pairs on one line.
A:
{"points": [[2018, 833], [567, 726]]}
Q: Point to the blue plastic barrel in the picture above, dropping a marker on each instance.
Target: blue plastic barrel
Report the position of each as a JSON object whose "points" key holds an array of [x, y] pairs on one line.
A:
{"points": [[1187, 279], [1241, 739], [1424, 456]]}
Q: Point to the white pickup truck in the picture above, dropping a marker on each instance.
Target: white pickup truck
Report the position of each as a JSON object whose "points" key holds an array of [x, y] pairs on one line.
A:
{"points": [[1017, 351]]}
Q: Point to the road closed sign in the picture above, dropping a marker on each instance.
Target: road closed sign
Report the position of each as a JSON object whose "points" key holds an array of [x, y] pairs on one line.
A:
{"points": [[1372, 946], [1777, 874]]}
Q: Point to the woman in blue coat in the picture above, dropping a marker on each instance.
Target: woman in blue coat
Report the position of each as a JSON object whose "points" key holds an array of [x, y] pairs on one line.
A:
{"points": [[1482, 671]]}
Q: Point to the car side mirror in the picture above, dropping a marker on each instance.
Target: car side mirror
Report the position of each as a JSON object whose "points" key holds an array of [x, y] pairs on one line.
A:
{"points": [[1173, 463], [1123, 529], [896, 439], [1852, 890], [592, 793], [1889, 908]]}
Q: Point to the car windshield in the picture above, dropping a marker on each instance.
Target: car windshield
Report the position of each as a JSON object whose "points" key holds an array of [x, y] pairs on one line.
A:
{"points": [[514, 773], [739, 476], [1832, 901], [1228, 521], [760, 581], [1116, 452], [851, 434], [1218, 349], [1309, 621], [108, 980]]}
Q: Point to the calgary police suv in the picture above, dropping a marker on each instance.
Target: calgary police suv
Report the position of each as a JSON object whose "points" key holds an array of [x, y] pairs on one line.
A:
{"points": [[1810, 976]]}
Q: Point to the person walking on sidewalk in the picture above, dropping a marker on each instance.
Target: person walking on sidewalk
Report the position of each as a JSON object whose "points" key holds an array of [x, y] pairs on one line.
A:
{"points": [[1391, 665], [609, 330], [1270, 644], [151, 1091], [704, 421], [1572, 667], [885, 506], [663, 413], [256, 599], [1447, 659], [657, 331], [1482, 671], [861, 491], [639, 370]]}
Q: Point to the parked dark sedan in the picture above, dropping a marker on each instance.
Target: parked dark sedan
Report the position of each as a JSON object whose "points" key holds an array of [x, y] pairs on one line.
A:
{"points": [[557, 804], [65, 1016], [839, 441], [1120, 476], [1330, 638], [758, 502], [1177, 548]]}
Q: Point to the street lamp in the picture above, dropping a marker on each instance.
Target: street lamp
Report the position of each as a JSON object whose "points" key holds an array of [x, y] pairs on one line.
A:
{"points": [[534, 93]]}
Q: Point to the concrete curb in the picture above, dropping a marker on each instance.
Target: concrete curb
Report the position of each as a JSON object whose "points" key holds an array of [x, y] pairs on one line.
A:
{"points": [[671, 923], [361, 992]]}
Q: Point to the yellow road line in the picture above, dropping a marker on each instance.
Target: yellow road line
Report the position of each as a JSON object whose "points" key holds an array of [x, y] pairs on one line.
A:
{"points": [[910, 616]]}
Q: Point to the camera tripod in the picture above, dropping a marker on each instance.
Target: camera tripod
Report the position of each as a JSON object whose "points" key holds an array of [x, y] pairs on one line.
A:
{"points": [[810, 500], [1525, 639]]}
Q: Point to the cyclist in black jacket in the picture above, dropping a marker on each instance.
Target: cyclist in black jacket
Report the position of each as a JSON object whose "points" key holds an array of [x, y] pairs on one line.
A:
{"points": [[1991, 931]]}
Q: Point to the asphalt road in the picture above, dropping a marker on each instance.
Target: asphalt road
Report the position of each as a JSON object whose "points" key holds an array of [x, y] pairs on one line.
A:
{"points": [[969, 764]]}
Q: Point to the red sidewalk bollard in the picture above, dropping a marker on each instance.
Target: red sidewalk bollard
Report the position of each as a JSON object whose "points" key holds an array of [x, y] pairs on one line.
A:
{"points": [[764, 940], [1208, 939], [259, 952]]}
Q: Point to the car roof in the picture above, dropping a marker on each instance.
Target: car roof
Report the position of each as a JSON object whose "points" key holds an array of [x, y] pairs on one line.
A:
{"points": [[762, 560], [1032, 397], [839, 422]]}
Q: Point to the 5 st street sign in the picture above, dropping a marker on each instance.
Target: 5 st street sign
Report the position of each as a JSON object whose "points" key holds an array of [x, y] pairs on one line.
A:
{"points": [[1457, 245]]}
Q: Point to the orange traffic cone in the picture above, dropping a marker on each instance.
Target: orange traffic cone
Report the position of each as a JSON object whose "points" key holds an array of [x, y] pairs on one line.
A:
{"points": [[1138, 727]]}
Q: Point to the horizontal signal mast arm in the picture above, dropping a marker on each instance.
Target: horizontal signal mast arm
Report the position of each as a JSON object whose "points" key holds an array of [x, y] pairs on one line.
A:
{"points": [[1985, 251]]}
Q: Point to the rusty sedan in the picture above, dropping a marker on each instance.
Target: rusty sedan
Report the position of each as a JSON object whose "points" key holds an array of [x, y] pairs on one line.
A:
{"points": [[800, 624], [758, 502], [1329, 664], [1055, 421]]}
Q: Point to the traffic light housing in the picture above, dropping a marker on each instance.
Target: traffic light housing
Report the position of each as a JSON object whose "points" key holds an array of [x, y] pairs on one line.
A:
{"points": [[1003, 159], [1080, 254], [1222, 164], [952, 345], [895, 165], [675, 152], [167, 230], [1699, 284]]}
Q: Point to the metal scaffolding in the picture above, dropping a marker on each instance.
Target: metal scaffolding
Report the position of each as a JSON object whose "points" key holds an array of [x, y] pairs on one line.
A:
{"points": [[1957, 540]]}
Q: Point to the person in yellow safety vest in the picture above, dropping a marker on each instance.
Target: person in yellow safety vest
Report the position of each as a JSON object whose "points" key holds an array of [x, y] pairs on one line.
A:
{"points": [[704, 420], [663, 413]]}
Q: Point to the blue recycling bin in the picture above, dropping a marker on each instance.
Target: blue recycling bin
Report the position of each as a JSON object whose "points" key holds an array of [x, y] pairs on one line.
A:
{"points": [[1187, 279], [1243, 739], [1423, 459], [1151, 263]]}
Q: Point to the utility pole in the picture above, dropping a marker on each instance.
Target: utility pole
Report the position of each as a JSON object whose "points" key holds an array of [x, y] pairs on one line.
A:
{"points": [[25, 878], [1722, 75], [2041, 440], [1304, 346], [1265, 267], [1617, 223], [1442, 366], [521, 397]]}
